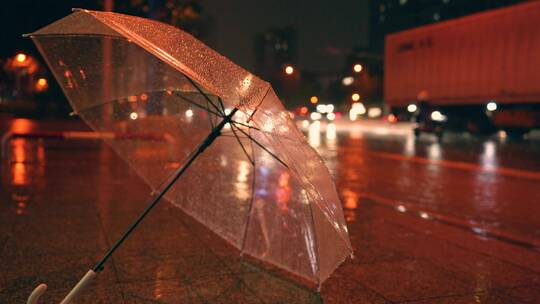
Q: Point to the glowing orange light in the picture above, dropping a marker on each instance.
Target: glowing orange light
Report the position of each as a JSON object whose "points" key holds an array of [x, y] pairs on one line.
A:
{"points": [[392, 118], [132, 98], [21, 125], [283, 193], [289, 70], [314, 99], [303, 110], [21, 57], [351, 203], [355, 97], [42, 84], [358, 68], [351, 199], [284, 180], [144, 97]]}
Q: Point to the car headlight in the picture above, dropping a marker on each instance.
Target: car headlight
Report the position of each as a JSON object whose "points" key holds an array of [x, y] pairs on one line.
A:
{"points": [[437, 116]]}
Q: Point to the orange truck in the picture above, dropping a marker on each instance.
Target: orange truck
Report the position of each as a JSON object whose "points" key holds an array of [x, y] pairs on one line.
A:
{"points": [[482, 71]]}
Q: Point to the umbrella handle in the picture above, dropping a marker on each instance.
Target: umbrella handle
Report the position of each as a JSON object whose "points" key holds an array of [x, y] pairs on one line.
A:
{"points": [[38, 291]]}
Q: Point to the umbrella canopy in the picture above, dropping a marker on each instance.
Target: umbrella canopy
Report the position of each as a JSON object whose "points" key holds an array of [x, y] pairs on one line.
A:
{"points": [[259, 186]]}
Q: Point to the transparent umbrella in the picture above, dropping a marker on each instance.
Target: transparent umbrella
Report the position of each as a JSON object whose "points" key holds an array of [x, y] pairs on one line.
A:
{"points": [[205, 134]]}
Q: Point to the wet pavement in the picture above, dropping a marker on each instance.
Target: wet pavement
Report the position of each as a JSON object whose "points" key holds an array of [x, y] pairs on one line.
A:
{"points": [[450, 222]]}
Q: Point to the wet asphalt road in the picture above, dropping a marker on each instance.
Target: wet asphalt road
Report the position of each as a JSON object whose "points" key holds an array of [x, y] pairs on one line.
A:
{"points": [[450, 222], [488, 185]]}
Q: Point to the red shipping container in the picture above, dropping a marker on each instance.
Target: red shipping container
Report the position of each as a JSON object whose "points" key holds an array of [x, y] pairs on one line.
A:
{"points": [[494, 55]]}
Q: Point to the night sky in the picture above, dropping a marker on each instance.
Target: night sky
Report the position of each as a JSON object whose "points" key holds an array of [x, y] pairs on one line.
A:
{"points": [[320, 24], [325, 29]]}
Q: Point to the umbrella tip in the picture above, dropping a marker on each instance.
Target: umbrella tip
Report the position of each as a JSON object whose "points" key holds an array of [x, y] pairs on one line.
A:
{"points": [[27, 35], [78, 9]]}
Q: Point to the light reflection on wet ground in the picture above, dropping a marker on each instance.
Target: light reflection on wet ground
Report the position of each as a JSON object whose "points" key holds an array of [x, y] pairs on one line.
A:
{"points": [[455, 221], [477, 183]]}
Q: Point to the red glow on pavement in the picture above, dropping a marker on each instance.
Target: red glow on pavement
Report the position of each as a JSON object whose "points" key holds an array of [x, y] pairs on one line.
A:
{"points": [[20, 176]]}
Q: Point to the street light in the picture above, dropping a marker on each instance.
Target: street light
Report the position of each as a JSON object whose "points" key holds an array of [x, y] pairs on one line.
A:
{"points": [[314, 99], [357, 108], [41, 84], [331, 116], [437, 116], [355, 97], [20, 58], [358, 68], [374, 112], [315, 116], [346, 81], [491, 106], [21, 65], [289, 69]]}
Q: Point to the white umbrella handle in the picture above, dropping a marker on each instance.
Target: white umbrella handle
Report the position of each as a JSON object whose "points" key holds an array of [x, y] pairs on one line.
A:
{"points": [[38, 291]]}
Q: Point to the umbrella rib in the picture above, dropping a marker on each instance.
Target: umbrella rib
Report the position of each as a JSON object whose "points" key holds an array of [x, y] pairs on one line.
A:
{"points": [[230, 135], [204, 94], [262, 131], [221, 104], [243, 148], [210, 117], [253, 184], [246, 125], [198, 105], [317, 270], [261, 146], [117, 100]]}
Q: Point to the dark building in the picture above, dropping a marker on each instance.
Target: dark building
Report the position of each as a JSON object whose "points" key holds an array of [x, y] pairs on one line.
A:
{"points": [[275, 49], [389, 16], [189, 15], [367, 82]]}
